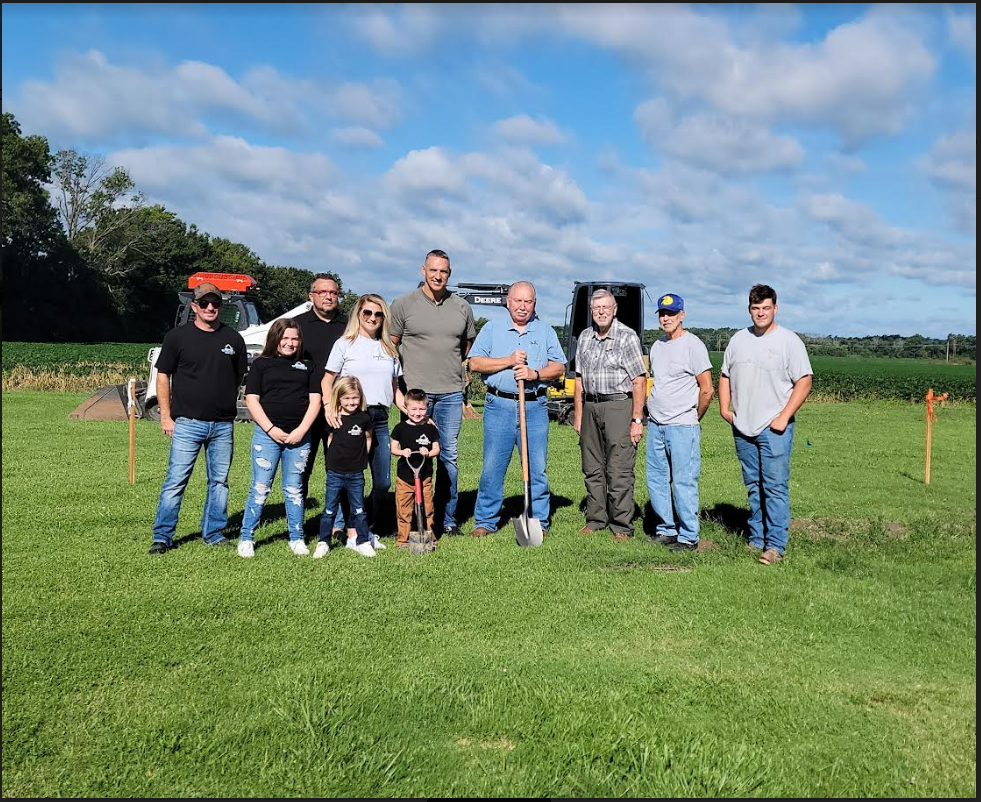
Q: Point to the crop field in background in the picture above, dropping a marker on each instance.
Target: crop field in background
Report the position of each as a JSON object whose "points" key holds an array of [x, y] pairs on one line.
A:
{"points": [[81, 368]]}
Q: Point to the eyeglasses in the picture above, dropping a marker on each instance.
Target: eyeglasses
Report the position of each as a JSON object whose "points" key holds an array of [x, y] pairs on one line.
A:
{"points": [[322, 293], [369, 315], [204, 303]]}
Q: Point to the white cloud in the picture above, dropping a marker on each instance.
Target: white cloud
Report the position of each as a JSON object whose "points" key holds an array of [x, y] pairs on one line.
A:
{"points": [[858, 80], [423, 173], [962, 30], [952, 166], [525, 130], [856, 222], [722, 144], [357, 137], [841, 163], [376, 104], [412, 29]]}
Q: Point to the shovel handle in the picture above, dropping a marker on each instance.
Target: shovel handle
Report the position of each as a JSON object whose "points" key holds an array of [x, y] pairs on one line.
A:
{"points": [[524, 432]]}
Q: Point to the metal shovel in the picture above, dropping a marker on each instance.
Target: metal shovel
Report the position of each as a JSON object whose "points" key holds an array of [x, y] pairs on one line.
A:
{"points": [[421, 539], [527, 531]]}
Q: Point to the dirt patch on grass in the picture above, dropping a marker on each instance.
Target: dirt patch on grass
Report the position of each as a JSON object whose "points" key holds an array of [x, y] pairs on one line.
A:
{"points": [[500, 745], [828, 529], [618, 568]]}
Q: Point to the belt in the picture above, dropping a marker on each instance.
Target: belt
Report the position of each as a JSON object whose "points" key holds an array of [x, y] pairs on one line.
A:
{"points": [[377, 406], [534, 395], [595, 398]]}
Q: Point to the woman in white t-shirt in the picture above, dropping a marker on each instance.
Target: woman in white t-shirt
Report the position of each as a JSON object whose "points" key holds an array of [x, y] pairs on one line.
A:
{"points": [[365, 350]]}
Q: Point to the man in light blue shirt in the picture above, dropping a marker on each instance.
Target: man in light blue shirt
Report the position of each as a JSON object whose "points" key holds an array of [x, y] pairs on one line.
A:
{"points": [[520, 348]]}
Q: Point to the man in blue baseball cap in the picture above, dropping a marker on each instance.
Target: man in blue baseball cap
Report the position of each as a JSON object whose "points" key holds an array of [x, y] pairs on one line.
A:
{"points": [[680, 396]]}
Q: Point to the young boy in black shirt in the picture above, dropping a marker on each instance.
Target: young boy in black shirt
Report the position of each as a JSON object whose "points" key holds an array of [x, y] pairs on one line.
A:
{"points": [[414, 436]]}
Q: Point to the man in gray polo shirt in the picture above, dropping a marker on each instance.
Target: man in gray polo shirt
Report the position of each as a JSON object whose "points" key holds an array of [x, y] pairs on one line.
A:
{"points": [[681, 393], [766, 377], [433, 330], [608, 404]]}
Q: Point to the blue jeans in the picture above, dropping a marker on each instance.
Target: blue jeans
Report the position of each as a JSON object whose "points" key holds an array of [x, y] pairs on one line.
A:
{"points": [[266, 456], [501, 435], [674, 462], [353, 483], [765, 460], [190, 436], [380, 462], [446, 409]]}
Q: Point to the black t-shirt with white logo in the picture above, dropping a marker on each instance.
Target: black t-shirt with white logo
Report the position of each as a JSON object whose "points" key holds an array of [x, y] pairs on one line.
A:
{"points": [[205, 369], [414, 436], [348, 450], [319, 338], [283, 385]]}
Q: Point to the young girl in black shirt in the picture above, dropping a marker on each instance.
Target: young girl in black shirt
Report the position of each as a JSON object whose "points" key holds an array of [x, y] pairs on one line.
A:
{"points": [[347, 457]]}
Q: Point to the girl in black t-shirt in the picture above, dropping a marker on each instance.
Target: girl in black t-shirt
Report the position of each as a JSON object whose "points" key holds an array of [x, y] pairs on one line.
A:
{"points": [[347, 457], [283, 396]]}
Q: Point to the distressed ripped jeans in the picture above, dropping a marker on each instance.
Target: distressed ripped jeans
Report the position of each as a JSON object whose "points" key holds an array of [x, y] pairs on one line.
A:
{"points": [[266, 455]]}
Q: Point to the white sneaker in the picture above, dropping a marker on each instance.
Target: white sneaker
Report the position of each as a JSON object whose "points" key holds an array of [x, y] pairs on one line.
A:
{"points": [[246, 549], [299, 548], [365, 549], [351, 543], [321, 551], [376, 543]]}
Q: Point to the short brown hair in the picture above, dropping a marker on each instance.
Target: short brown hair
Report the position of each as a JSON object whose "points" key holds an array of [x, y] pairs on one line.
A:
{"points": [[417, 395], [758, 293]]}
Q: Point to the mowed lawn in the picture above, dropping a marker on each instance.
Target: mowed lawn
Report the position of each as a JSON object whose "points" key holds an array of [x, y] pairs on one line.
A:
{"points": [[583, 668]]}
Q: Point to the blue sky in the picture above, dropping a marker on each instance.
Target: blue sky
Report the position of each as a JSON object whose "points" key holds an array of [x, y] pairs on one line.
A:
{"points": [[827, 150]]}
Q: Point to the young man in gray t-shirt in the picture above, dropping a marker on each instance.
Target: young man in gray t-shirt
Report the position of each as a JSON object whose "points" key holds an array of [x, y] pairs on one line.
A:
{"points": [[681, 394], [766, 377]]}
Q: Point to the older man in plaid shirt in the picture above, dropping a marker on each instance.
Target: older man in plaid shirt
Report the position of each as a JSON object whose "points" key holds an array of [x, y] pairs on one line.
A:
{"points": [[611, 383]]}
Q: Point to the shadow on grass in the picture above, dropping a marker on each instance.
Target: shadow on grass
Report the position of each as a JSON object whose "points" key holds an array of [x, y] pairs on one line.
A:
{"points": [[733, 519]]}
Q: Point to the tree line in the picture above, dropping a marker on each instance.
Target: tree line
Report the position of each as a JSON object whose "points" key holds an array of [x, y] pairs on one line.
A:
{"points": [[86, 259]]}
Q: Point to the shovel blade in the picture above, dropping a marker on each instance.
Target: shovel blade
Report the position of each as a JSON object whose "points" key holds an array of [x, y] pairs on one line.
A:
{"points": [[528, 531]]}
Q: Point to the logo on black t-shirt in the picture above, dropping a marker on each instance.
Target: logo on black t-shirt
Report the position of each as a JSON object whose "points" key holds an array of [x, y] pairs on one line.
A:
{"points": [[298, 366], [228, 350], [422, 440], [354, 432]]}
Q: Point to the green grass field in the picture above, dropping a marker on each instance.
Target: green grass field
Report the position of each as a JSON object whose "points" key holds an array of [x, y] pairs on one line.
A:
{"points": [[578, 669]]}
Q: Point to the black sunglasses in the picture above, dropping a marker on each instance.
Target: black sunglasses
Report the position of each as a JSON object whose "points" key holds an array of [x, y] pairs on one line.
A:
{"points": [[368, 314], [204, 303]]}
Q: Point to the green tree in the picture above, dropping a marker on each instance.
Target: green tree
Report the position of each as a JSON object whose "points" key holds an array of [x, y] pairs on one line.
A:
{"points": [[97, 206], [44, 283]]}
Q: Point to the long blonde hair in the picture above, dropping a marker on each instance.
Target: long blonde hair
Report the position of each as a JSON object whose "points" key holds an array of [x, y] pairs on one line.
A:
{"points": [[353, 330], [348, 385]]}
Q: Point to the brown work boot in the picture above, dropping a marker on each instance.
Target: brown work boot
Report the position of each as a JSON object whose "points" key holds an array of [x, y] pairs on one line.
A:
{"points": [[587, 530], [620, 537], [480, 531], [771, 557]]}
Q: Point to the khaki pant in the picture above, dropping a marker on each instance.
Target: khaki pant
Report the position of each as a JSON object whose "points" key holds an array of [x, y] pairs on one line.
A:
{"points": [[608, 459], [405, 505]]}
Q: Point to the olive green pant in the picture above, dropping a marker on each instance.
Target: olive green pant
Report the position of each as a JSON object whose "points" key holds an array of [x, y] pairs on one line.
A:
{"points": [[608, 459]]}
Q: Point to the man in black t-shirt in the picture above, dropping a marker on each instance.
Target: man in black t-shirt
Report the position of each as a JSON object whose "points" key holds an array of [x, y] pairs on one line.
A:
{"points": [[322, 326], [199, 370]]}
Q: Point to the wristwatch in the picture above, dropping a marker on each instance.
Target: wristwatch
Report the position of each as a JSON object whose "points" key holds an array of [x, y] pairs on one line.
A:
{"points": [[637, 420]]}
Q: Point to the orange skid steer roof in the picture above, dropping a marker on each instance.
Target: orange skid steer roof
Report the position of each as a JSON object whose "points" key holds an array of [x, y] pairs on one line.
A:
{"points": [[226, 282]]}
